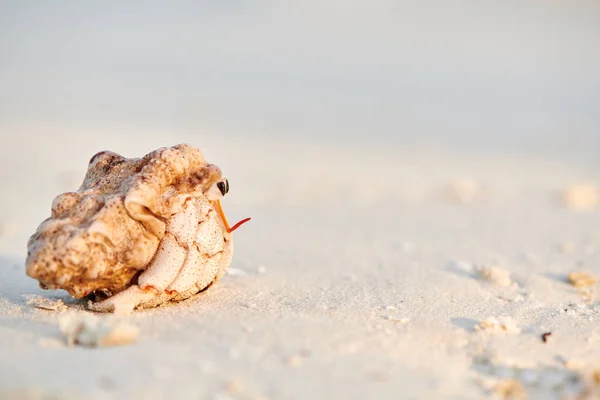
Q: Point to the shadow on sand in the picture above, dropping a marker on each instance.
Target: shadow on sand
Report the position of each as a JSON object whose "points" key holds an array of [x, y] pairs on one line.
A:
{"points": [[468, 324]]}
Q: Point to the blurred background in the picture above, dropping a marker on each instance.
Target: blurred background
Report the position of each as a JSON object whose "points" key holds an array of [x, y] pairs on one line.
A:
{"points": [[321, 103], [373, 142], [516, 77]]}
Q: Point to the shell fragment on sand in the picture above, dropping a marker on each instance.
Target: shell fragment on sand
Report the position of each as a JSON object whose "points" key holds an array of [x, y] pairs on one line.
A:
{"points": [[582, 279], [498, 325], [46, 304], [494, 275], [582, 196], [510, 389], [88, 330]]}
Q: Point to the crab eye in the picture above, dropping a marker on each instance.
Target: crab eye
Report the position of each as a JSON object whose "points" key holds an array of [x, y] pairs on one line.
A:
{"points": [[223, 186]]}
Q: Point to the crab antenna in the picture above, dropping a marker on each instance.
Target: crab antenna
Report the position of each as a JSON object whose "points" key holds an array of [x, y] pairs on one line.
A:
{"points": [[242, 222], [222, 215]]}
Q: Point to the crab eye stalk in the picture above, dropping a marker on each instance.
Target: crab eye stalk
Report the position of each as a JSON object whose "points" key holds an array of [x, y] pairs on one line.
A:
{"points": [[213, 194], [218, 189], [223, 186]]}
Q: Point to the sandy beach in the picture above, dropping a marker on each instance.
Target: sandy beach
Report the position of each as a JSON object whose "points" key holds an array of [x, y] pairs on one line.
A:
{"points": [[423, 181], [368, 288]]}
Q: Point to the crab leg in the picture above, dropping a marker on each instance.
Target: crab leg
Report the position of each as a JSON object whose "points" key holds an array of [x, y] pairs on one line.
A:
{"points": [[151, 283], [173, 249], [169, 258], [172, 254], [203, 260], [190, 257], [124, 302], [199, 270]]}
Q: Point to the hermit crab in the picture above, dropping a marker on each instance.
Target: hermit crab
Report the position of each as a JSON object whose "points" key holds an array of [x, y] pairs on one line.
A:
{"points": [[138, 233]]}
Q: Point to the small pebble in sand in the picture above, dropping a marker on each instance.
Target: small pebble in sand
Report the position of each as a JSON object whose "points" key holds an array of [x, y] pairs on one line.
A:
{"points": [[494, 275], [394, 318], [582, 279], [91, 331], [510, 389], [234, 387], [578, 310], [46, 304], [501, 324], [596, 376], [581, 196], [293, 361], [545, 336]]}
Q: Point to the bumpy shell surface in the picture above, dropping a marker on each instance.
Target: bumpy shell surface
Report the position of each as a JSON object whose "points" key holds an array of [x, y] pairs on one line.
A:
{"points": [[104, 234]]}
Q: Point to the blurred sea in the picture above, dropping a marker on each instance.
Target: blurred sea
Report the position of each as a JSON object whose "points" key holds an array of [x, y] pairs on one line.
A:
{"points": [[495, 78]]}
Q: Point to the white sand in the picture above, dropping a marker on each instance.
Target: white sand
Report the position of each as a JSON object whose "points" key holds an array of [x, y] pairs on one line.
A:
{"points": [[355, 279]]}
